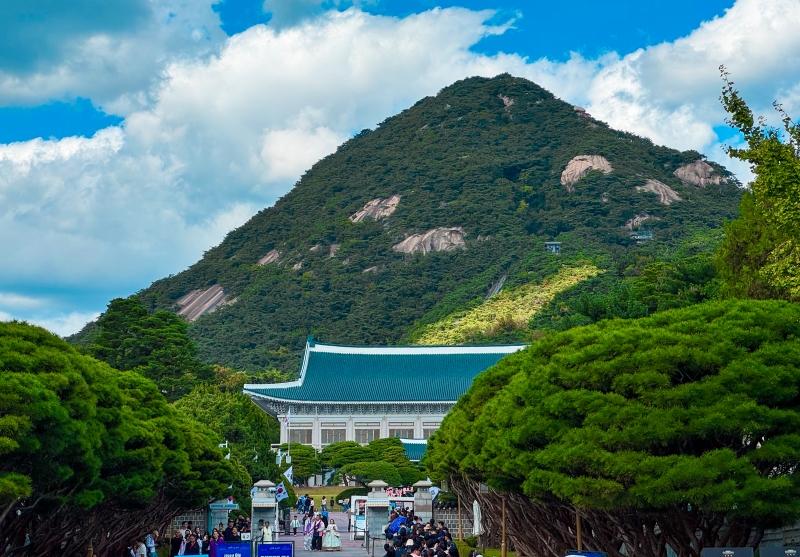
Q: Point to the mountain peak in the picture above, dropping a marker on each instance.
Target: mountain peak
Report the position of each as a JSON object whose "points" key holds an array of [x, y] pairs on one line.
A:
{"points": [[411, 221]]}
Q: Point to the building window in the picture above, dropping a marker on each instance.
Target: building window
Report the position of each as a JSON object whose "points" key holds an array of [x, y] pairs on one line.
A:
{"points": [[428, 428], [332, 436], [403, 433], [300, 436], [366, 435]]}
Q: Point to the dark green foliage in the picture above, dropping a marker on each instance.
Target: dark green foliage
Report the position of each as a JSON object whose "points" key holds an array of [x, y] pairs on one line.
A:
{"points": [[345, 495], [88, 449], [366, 472], [665, 282], [460, 158], [305, 461], [744, 253], [761, 255], [338, 454], [249, 431], [688, 418], [362, 464], [128, 337]]}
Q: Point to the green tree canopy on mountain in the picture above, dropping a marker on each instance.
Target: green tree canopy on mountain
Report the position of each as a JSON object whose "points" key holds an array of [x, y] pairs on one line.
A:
{"points": [[91, 453], [483, 156], [685, 420], [157, 346], [760, 257]]}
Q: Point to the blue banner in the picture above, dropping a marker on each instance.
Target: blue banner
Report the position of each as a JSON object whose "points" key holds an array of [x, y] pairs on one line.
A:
{"points": [[276, 549], [235, 549]]}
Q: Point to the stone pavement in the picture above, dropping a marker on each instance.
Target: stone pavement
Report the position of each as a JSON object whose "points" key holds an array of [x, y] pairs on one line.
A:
{"points": [[350, 548]]}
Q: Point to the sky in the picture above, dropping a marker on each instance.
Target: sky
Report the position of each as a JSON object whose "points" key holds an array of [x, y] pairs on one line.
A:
{"points": [[135, 134]]}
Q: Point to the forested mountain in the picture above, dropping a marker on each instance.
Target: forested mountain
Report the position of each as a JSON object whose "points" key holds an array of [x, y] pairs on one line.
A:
{"points": [[403, 232]]}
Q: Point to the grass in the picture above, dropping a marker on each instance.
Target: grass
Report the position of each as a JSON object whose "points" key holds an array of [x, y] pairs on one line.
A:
{"points": [[464, 549], [329, 491], [511, 308]]}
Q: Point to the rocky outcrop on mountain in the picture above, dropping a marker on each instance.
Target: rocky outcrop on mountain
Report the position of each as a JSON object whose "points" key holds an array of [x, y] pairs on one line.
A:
{"points": [[636, 221], [199, 302], [272, 257], [507, 101], [580, 166], [437, 239], [699, 173], [297, 266], [666, 194], [334, 248], [377, 209], [315, 247]]}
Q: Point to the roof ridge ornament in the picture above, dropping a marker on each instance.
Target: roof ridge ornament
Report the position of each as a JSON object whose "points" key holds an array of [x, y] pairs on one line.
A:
{"points": [[311, 341]]}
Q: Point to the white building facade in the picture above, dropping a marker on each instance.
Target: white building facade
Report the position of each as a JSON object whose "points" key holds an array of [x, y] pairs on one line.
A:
{"points": [[362, 393]]}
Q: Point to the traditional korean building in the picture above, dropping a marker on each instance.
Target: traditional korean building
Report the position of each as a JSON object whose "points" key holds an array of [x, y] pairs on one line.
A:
{"points": [[361, 393]]}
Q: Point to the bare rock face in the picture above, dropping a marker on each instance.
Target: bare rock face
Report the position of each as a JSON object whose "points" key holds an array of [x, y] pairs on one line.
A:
{"points": [[580, 166], [297, 266], [666, 194], [315, 247], [333, 250], [507, 101], [437, 239], [699, 173], [377, 209], [199, 302], [370, 270], [272, 257], [636, 221]]}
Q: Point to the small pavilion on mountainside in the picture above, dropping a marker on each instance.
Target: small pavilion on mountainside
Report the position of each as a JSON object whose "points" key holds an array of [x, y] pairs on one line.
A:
{"points": [[361, 393]]}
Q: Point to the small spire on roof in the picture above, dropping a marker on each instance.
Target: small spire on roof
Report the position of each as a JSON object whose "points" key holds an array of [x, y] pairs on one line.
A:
{"points": [[311, 341]]}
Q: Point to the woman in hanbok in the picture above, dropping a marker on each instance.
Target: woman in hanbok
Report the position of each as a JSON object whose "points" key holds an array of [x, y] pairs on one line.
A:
{"points": [[307, 533], [331, 540]]}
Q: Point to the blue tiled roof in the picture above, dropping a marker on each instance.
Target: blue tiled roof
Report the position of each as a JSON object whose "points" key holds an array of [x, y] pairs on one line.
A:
{"points": [[414, 450], [334, 373]]}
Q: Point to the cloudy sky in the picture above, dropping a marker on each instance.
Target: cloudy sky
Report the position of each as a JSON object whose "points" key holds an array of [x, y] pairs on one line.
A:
{"points": [[135, 134]]}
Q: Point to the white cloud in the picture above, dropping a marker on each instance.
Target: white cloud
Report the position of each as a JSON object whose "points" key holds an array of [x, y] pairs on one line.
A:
{"points": [[11, 300], [62, 325], [225, 132], [111, 54]]}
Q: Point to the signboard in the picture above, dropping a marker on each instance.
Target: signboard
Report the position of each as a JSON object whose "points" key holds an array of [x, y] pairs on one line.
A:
{"points": [[234, 549], [577, 553], [276, 549], [778, 551], [245, 536], [727, 552]]}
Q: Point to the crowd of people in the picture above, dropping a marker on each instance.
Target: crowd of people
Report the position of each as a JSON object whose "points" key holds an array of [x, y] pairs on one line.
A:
{"points": [[408, 536], [191, 540]]}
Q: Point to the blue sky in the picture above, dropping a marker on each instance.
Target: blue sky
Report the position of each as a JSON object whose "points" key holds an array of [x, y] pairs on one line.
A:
{"points": [[134, 135], [592, 29]]}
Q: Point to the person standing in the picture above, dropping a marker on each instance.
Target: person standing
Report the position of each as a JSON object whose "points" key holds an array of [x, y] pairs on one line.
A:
{"points": [[139, 548], [324, 503], [311, 506], [175, 544], [215, 543], [266, 532], [228, 533], [295, 524], [319, 531], [307, 533], [331, 541], [191, 547], [150, 543]]}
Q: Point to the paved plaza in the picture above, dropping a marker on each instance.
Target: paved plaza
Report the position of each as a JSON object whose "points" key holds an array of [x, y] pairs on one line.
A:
{"points": [[350, 548]]}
